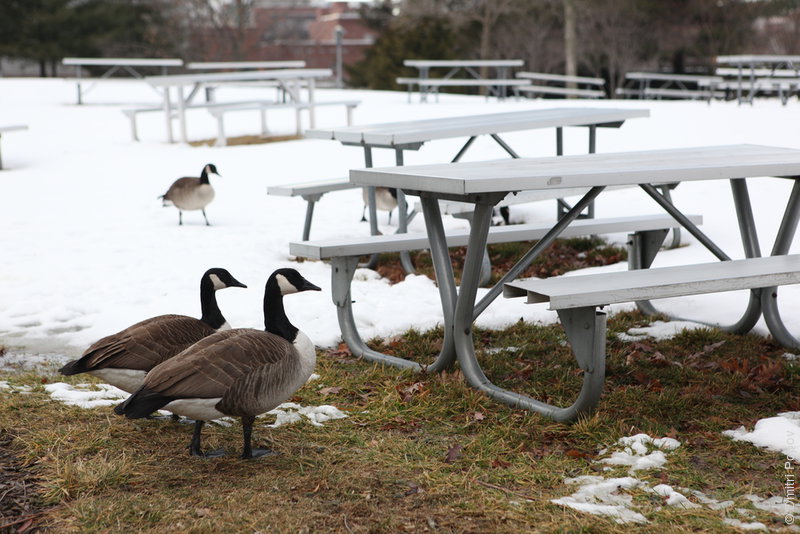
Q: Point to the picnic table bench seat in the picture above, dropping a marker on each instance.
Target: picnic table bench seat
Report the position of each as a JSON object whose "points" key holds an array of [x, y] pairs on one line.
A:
{"points": [[10, 128], [344, 256], [577, 299], [585, 87], [311, 192], [132, 113], [494, 84], [219, 111]]}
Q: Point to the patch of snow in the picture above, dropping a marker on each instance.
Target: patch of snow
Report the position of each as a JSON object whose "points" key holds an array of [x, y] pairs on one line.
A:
{"points": [[744, 526], [780, 434], [290, 412], [637, 455], [659, 330], [674, 498], [601, 496], [86, 395]]}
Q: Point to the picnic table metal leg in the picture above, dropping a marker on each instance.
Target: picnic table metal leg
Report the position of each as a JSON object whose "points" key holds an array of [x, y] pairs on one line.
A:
{"points": [[371, 206], [182, 115], [168, 113], [342, 275], [585, 329], [402, 217], [769, 296], [744, 214], [311, 200]]}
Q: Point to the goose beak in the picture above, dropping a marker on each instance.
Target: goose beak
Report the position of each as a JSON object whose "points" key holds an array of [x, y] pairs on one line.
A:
{"points": [[235, 283], [308, 286]]}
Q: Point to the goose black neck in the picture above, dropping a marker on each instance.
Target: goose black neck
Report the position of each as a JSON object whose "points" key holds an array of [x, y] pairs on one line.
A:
{"points": [[275, 320], [208, 304], [204, 176]]}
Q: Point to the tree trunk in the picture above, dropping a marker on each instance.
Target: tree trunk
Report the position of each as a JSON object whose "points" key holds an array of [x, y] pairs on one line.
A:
{"points": [[570, 42]]}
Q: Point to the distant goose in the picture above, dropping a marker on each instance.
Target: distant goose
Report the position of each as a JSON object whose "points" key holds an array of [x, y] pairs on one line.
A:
{"points": [[191, 193], [385, 200], [240, 372], [122, 359]]}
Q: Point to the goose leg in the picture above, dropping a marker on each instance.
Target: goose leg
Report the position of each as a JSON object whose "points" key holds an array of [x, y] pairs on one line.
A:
{"points": [[364, 214], [180, 217], [247, 432], [206, 218], [194, 445]]}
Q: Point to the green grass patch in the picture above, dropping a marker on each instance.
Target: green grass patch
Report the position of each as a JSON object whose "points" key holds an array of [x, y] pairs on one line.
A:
{"points": [[422, 453], [561, 256]]}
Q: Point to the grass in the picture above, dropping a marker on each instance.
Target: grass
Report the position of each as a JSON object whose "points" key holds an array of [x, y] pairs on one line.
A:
{"points": [[418, 452], [422, 452]]}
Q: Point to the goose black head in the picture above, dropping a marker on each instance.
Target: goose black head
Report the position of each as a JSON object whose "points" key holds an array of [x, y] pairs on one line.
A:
{"points": [[210, 168], [290, 281], [220, 279]]}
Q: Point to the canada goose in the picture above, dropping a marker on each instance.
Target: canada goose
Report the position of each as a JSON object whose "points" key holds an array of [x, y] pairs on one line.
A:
{"points": [[385, 200], [191, 193], [241, 372], [122, 359]]}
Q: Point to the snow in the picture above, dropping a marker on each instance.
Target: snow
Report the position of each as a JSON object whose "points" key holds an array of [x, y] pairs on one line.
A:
{"points": [[88, 249], [636, 454], [780, 434], [100, 395], [614, 496]]}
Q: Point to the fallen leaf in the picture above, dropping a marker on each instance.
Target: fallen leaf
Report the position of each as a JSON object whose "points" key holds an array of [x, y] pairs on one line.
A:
{"points": [[500, 464], [453, 454], [408, 390], [330, 390], [478, 416]]}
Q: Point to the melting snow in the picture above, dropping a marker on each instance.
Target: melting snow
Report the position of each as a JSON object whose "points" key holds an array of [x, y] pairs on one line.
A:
{"points": [[780, 434], [659, 330], [100, 395]]}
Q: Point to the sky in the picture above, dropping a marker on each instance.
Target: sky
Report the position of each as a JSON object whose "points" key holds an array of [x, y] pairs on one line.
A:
{"points": [[86, 248]]}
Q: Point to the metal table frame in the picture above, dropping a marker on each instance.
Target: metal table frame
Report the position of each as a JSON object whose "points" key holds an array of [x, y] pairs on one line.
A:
{"points": [[290, 80], [116, 64], [460, 308], [501, 67], [747, 64], [393, 136]]}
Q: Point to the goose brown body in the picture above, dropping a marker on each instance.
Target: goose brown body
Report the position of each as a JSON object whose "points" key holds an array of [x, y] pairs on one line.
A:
{"points": [[189, 193], [122, 359], [241, 372]]}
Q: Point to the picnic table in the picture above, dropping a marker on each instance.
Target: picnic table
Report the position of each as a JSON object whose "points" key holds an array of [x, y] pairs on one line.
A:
{"points": [[485, 183], [747, 67], [245, 65], [660, 85], [292, 81], [412, 135], [128, 65], [496, 85]]}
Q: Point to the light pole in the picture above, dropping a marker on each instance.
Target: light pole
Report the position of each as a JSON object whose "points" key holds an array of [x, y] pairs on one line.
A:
{"points": [[339, 32]]}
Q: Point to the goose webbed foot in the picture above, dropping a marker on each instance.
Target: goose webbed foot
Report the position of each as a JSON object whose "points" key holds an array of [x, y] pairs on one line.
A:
{"points": [[247, 433], [259, 452], [194, 445]]}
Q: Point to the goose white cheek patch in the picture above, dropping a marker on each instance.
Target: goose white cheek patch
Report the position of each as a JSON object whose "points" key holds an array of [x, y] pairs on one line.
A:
{"points": [[287, 288], [218, 284]]}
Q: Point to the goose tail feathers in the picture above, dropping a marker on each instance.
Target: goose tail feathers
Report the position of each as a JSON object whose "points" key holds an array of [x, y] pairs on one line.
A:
{"points": [[142, 403]]}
